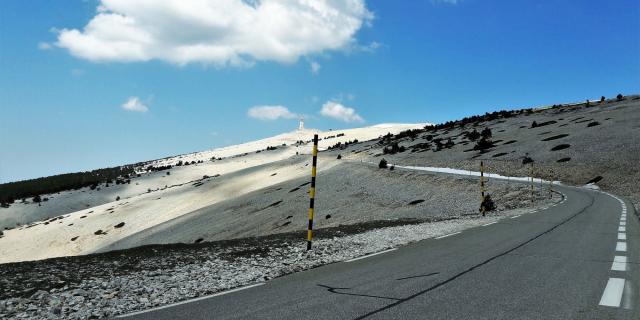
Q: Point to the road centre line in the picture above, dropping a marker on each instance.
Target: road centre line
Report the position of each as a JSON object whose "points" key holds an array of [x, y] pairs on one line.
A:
{"points": [[622, 236]]}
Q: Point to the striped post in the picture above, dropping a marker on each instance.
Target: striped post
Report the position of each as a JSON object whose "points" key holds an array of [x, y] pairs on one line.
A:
{"points": [[312, 191], [482, 209]]}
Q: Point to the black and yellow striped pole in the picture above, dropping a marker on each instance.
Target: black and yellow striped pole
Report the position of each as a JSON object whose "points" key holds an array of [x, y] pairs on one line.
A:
{"points": [[482, 209], [312, 191]]}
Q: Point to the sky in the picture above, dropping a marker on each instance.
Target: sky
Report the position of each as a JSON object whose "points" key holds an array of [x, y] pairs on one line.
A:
{"points": [[92, 84]]}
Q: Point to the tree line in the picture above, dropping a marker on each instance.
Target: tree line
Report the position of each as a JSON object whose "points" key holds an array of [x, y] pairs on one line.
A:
{"points": [[12, 191]]}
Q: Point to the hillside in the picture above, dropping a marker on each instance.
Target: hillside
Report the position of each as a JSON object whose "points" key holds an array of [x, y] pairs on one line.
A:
{"points": [[68, 223]]}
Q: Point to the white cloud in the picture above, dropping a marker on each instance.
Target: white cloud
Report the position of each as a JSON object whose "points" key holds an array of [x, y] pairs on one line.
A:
{"points": [[270, 113], [371, 47], [44, 46], [231, 32], [134, 104], [315, 67], [338, 111]]}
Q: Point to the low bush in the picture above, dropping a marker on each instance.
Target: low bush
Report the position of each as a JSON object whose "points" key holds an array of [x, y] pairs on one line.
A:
{"points": [[393, 149], [488, 204], [483, 144], [382, 164]]}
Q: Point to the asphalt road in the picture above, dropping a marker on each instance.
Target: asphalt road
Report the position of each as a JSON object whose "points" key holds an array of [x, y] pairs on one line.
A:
{"points": [[565, 262]]}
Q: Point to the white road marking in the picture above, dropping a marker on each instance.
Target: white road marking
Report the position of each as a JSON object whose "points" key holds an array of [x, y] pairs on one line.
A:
{"points": [[621, 246], [370, 255], [623, 223], [622, 229], [448, 235], [191, 300], [622, 236], [490, 223], [612, 293], [515, 216], [619, 263]]}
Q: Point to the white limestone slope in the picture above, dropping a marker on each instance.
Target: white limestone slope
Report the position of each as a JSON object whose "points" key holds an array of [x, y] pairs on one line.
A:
{"points": [[84, 212]]}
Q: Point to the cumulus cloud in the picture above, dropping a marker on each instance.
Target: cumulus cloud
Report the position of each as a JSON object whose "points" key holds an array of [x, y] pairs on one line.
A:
{"points": [[338, 111], [134, 104], [267, 113], [315, 67], [231, 32]]}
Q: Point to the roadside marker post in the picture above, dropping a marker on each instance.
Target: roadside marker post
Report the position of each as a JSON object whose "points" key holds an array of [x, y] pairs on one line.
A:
{"points": [[312, 191], [482, 209]]}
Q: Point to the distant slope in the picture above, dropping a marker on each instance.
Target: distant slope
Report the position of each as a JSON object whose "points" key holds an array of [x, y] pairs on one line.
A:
{"points": [[80, 221]]}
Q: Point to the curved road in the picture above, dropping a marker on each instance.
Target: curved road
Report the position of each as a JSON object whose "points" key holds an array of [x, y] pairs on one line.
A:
{"points": [[575, 260]]}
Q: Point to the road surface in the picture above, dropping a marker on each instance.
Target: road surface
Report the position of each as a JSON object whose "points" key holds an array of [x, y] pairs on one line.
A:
{"points": [[576, 260]]}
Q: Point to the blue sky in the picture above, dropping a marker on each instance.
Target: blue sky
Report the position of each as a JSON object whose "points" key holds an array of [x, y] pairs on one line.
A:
{"points": [[63, 88]]}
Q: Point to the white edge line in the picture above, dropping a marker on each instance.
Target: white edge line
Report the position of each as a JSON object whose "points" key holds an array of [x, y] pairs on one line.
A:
{"points": [[191, 300], [490, 223], [612, 295], [448, 235], [515, 216], [371, 255], [619, 263], [621, 246]]}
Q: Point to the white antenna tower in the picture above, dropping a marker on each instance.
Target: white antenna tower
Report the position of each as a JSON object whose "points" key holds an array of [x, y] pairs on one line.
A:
{"points": [[301, 125]]}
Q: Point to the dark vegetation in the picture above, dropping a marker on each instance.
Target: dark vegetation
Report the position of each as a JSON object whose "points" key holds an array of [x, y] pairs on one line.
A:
{"points": [[555, 137], [595, 180], [526, 159], [382, 164], [560, 147], [341, 145], [546, 123], [9, 192], [393, 149], [593, 124], [488, 204]]}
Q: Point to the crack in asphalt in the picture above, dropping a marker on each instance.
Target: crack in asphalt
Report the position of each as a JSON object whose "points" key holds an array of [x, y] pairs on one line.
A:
{"points": [[334, 290], [419, 276], [458, 275]]}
